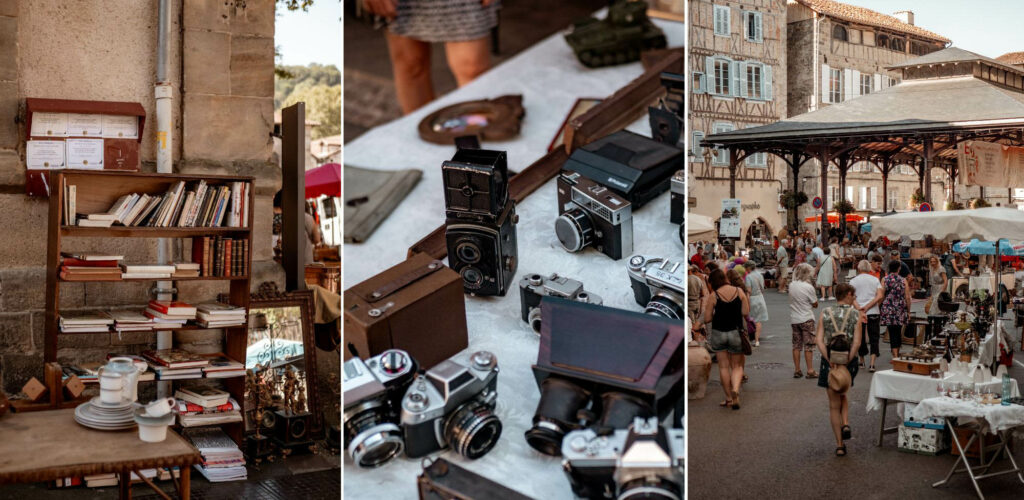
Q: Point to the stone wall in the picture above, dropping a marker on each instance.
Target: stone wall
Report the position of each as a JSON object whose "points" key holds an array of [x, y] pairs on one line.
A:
{"points": [[222, 73]]}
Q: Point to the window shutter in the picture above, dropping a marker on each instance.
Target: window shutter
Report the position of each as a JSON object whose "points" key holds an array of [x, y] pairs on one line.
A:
{"points": [[847, 84], [855, 81], [849, 194], [758, 27], [863, 197], [766, 82], [696, 148], [746, 24], [709, 74], [826, 75], [878, 83], [874, 197], [742, 76], [702, 83], [734, 69]]}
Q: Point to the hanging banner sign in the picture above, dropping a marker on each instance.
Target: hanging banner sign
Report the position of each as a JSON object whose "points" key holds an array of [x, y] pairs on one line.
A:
{"points": [[729, 224], [990, 164]]}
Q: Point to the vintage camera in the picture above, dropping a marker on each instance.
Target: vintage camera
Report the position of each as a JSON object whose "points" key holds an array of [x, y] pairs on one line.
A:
{"points": [[480, 228], [658, 285], [644, 461], [453, 405], [677, 199], [591, 214], [534, 287], [372, 394], [666, 119]]}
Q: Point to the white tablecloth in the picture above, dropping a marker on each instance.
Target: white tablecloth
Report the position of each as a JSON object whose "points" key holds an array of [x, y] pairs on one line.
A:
{"points": [[910, 388], [550, 79], [992, 418]]}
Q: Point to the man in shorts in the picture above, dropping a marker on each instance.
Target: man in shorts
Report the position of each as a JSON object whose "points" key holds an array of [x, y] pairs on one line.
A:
{"points": [[802, 300], [782, 259]]}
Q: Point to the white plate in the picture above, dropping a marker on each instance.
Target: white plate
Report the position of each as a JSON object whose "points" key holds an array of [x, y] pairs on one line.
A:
{"points": [[97, 402]]}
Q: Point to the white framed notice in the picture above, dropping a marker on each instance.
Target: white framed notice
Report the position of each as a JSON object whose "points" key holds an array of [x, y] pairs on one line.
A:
{"points": [[85, 153], [122, 127], [49, 125], [44, 154], [85, 125]]}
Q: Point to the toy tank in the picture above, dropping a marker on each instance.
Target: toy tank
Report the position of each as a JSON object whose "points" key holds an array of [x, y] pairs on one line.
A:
{"points": [[618, 38]]}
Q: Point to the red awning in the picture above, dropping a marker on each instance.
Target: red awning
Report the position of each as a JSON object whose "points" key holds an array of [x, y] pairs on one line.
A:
{"points": [[325, 179], [833, 218]]}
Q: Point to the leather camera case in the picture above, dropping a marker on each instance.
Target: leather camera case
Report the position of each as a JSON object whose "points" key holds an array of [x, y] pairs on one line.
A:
{"points": [[417, 306]]}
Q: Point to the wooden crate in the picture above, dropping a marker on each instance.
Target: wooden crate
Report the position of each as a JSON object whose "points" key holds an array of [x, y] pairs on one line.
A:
{"points": [[915, 367]]}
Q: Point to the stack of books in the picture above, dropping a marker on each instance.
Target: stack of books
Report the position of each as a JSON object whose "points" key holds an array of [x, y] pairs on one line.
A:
{"points": [[222, 460], [170, 314], [222, 367], [175, 364], [220, 256], [219, 315], [194, 205], [90, 267], [85, 321], [131, 321], [206, 406], [186, 270], [146, 271]]}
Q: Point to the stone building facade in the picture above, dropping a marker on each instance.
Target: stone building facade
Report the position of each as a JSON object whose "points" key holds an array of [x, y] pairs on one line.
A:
{"points": [[838, 52], [222, 72], [737, 54]]}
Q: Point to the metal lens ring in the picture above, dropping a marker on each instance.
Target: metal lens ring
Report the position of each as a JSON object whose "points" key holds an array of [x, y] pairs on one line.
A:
{"points": [[468, 252], [650, 489], [376, 445], [473, 430], [574, 230], [664, 307], [472, 276]]}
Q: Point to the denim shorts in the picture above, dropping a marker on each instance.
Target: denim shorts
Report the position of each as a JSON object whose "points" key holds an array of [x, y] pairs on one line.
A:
{"points": [[729, 341]]}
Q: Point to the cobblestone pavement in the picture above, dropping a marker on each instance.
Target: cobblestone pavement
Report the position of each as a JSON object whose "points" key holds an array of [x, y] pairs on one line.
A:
{"points": [[780, 441]]}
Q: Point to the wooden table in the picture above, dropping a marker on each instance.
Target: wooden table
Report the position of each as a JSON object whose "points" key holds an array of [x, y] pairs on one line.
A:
{"points": [[49, 445]]}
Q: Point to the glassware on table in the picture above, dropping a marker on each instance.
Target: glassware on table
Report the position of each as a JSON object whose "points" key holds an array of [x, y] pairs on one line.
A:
{"points": [[1006, 390]]}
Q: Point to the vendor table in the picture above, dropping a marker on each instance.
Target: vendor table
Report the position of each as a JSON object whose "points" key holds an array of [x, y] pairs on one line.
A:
{"points": [[993, 419], [50, 445], [888, 386], [550, 79]]}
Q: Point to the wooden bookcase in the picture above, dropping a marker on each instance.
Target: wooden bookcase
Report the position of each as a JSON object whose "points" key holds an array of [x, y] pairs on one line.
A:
{"points": [[97, 190]]}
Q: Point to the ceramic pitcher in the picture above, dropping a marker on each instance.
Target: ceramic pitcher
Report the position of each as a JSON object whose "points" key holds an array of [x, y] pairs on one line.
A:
{"points": [[125, 370]]}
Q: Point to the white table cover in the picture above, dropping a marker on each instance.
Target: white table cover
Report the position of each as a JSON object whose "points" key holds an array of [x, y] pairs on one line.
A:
{"points": [[992, 418], [910, 388], [550, 79]]}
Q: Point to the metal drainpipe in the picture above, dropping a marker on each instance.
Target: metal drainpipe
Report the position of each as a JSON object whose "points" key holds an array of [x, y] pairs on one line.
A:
{"points": [[164, 156]]}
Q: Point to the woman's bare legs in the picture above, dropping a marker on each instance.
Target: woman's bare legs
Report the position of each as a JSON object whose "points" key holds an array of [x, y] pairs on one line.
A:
{"points": [[468, 60], [410, 63], [835, 415], [725, 374]]}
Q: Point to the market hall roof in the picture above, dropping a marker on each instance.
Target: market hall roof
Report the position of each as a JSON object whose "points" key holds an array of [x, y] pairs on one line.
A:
{"points": [[953, 55], [1011, 58], [916, 105], [869, 17]]}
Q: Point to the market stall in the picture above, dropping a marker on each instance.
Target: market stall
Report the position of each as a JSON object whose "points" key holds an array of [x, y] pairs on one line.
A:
{"points": [[550, 79]]}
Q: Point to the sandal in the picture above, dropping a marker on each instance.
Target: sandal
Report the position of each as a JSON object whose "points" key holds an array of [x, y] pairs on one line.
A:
{"points": [[812, 375], [798, 374], [725, 403], [745, 379], [872, 369], [846, 432], [736, 404], [841, 451]]}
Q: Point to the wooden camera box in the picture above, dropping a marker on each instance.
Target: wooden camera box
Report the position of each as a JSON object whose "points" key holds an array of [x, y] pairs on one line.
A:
{"points": [[923, 441], [417, 306]]}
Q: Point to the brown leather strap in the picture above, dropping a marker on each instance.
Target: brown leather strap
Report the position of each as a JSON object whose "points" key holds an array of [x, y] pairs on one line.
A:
{"points": [[402, 281], [520, 186]]}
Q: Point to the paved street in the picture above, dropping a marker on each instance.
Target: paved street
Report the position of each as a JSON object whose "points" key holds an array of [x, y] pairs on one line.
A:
{"points": [[781, 442]]}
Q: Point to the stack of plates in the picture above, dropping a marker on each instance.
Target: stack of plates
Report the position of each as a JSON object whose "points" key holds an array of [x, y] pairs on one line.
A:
{"points": [[106, 416]]}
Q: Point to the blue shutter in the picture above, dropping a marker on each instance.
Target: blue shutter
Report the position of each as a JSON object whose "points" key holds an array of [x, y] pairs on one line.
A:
{"points": [[709, 73], [766, 82], [734, 70], [696, 148], [758, 27]]}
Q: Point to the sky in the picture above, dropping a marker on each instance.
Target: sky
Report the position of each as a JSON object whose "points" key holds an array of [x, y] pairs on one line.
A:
{"points": [[312, 36], [987, 27]]}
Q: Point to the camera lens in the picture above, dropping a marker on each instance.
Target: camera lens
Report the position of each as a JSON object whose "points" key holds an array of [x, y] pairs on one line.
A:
{"points": [[574, 230], [472, 430], [556, 412], [534, 319], [372, 441], [664, 307], [468, 252], [619, 409], [653, 488], [472, 276]]}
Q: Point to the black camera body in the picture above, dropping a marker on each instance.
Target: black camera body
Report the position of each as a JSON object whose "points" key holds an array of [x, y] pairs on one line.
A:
{"points": [[534, 287], [373, 391], [590, 214], [677, 200], [659, 285], [480, 229], [666, 119]]}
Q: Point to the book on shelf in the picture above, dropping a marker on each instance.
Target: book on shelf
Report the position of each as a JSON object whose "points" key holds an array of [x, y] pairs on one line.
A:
{"points": [[94, 223], [87, 256], [173, 307], [175, 358], [203, 396], [222, 367], [84, 321], [160, 317], [101, 480], [201, 419], [147, 268], [186, 270], [221, 458], [165, 373], [221, 256], [72, 261], [183, 204], [127, 321], [184, 407]]}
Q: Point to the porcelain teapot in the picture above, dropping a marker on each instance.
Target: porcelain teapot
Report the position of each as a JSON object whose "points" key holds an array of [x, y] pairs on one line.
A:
{"points": [[120, 374]]}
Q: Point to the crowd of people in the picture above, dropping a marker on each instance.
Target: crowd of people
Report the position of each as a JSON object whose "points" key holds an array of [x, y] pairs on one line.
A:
{"points": [[861, 286]]}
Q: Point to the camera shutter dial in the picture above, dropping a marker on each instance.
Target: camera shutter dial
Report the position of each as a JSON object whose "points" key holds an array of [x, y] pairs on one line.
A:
{"points": [[574, 230], [394, 362]]}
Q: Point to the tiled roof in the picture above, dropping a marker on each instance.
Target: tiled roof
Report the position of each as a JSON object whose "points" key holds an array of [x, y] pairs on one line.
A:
{"points": [[869, 17], [1011, 58]]}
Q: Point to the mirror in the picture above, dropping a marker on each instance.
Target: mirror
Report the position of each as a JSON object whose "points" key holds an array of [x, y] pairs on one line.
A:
{"points": [[281, 377]]}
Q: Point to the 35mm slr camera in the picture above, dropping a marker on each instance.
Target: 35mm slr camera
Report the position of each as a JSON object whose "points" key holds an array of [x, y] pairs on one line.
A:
{"points": [[658, 285], [453, 405], [373, 390], [481, 217], [645, 461], [592, 214], [534, 287]]}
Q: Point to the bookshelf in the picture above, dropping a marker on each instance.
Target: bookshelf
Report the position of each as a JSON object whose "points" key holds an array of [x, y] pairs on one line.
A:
{"points": [[97, 190]]}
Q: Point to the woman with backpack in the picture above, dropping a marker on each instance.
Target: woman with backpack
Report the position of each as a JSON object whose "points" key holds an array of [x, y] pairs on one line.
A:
{"points": [[725, 309], [838, 338]]}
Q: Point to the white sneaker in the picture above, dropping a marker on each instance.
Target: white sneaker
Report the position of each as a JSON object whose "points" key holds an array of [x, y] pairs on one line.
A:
{"points": [[831, 298], [757, 343]]}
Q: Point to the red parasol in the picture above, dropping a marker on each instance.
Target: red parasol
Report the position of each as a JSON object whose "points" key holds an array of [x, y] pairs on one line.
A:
{"points": [[325, 179]]}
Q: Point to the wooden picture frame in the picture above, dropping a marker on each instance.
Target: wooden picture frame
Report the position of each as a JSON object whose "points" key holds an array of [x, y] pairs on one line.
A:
{"points": [[582, 105], [269, 298]]}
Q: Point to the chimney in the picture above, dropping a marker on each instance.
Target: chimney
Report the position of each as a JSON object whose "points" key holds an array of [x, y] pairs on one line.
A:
{"points": [[906, 16]]}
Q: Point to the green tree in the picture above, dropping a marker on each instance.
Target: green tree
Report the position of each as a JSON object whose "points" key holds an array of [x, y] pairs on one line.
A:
{"points": [[291, 78], [323, 104]]}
